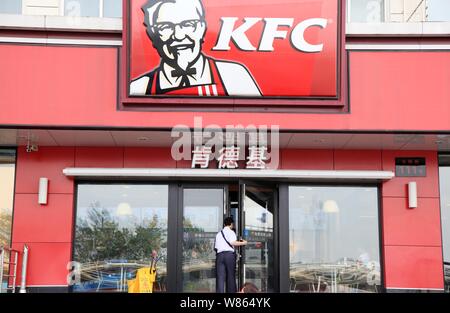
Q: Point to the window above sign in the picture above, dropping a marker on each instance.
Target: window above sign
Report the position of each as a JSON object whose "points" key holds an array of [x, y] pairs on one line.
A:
{"points": [[358, 11], [79, 8], [398, 11]]}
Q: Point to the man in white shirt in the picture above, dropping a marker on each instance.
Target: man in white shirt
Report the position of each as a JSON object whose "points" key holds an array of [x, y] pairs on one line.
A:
{"points": [[225, 244]]}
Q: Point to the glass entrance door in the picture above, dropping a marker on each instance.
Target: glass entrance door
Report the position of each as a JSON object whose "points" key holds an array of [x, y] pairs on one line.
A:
{"points": [[203, 211], [258, 205]]}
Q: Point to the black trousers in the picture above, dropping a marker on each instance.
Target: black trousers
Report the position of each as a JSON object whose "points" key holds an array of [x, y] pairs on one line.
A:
{"points": [[226, 272]]}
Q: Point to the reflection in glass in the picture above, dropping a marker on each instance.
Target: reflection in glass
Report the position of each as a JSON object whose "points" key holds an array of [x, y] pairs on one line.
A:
{"points": [[366, 11], [11, 6], [444, 183], [112, 8], [258, 231], [334, 239], [202, 219], [438, 10], [7, 170], [87, 8], [117, 228]]}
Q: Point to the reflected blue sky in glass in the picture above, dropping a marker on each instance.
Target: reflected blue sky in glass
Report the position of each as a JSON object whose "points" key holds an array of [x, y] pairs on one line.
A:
{"points": [[87, 8], [438, 10], [112, 8], [444, 176], [11, 6], [129, 205], [366, 11], [203, 209]]}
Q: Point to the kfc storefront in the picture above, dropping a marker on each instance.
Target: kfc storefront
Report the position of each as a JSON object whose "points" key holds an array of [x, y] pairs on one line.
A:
{"points": [[329, 151]]}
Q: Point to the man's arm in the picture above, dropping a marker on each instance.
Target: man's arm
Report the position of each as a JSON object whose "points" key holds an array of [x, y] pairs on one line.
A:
{"points": [[239, 243]]}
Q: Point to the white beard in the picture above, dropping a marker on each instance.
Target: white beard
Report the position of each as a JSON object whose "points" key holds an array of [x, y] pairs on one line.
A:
{"points": [[184, 58]]}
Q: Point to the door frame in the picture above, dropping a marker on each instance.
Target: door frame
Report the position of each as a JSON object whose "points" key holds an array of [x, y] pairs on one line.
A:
{"points": [[276, 220], [178, 212]]}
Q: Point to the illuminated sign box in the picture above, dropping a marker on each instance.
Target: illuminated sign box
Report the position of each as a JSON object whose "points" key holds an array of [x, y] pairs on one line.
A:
{"points": [[247, 53]]}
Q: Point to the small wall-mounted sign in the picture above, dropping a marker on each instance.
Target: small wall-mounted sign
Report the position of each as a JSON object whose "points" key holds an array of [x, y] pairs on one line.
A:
{"points": [[410, 167]]}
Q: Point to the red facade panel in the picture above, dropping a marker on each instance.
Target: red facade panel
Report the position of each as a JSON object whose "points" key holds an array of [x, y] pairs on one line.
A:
{"points": [[413, 267], [48, 95], [426, 186], [357, 160], [43, 223], [47, 263], [47, 162], [307, 159], [99, 157], [411, 227], [392, 90], [57, 85], [148, 157]]}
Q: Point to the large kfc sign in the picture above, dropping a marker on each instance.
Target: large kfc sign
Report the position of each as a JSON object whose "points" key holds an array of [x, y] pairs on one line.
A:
{"points": [[239, 52]]}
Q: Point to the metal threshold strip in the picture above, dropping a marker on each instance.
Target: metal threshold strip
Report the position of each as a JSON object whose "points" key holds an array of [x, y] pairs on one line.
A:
{"points": [[227, 173]]}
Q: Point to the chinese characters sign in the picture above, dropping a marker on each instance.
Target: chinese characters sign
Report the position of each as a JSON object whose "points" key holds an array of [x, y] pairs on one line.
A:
{"points": [[229, 157]]}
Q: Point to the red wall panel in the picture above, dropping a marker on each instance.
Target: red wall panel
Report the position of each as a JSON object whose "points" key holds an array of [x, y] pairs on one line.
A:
{"points": [[413, 267], [411, 227], [99, 157], [47, 263], [357, 160], [47, 162], [307, 159], [51, 84], [43, 223], [148, 157], [83, 92], [426, 186]]}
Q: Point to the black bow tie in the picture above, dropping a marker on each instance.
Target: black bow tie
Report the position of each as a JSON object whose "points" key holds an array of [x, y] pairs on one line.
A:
{"points": [[184, 75]]}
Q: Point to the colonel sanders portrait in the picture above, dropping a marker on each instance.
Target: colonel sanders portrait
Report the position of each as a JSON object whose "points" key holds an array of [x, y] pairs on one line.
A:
{"points": [[177, 30]]}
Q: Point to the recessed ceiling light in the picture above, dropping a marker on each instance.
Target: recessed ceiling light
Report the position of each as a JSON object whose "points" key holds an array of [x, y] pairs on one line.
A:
{"points": [[143, 138]]}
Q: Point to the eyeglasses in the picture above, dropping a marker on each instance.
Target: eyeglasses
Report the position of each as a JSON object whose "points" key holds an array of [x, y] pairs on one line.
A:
{"points": [[166, 29]]}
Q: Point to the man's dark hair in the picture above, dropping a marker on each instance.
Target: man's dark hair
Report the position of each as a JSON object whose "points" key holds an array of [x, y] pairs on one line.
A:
{"points": [[249, 288], [228, 221]]}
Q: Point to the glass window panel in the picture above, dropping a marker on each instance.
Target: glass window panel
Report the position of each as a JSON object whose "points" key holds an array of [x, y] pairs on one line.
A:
{"points": [[88, 8], [11, 6], [202, 219], [259, 205], [112, 8], [7, 174], [444, 183], [117, 229], [366, 11], [438, 10], [334, 239]]}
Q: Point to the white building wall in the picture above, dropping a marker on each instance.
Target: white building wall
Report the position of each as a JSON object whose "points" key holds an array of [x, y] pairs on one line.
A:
{"points": [[403, 11], [41, 7]]}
